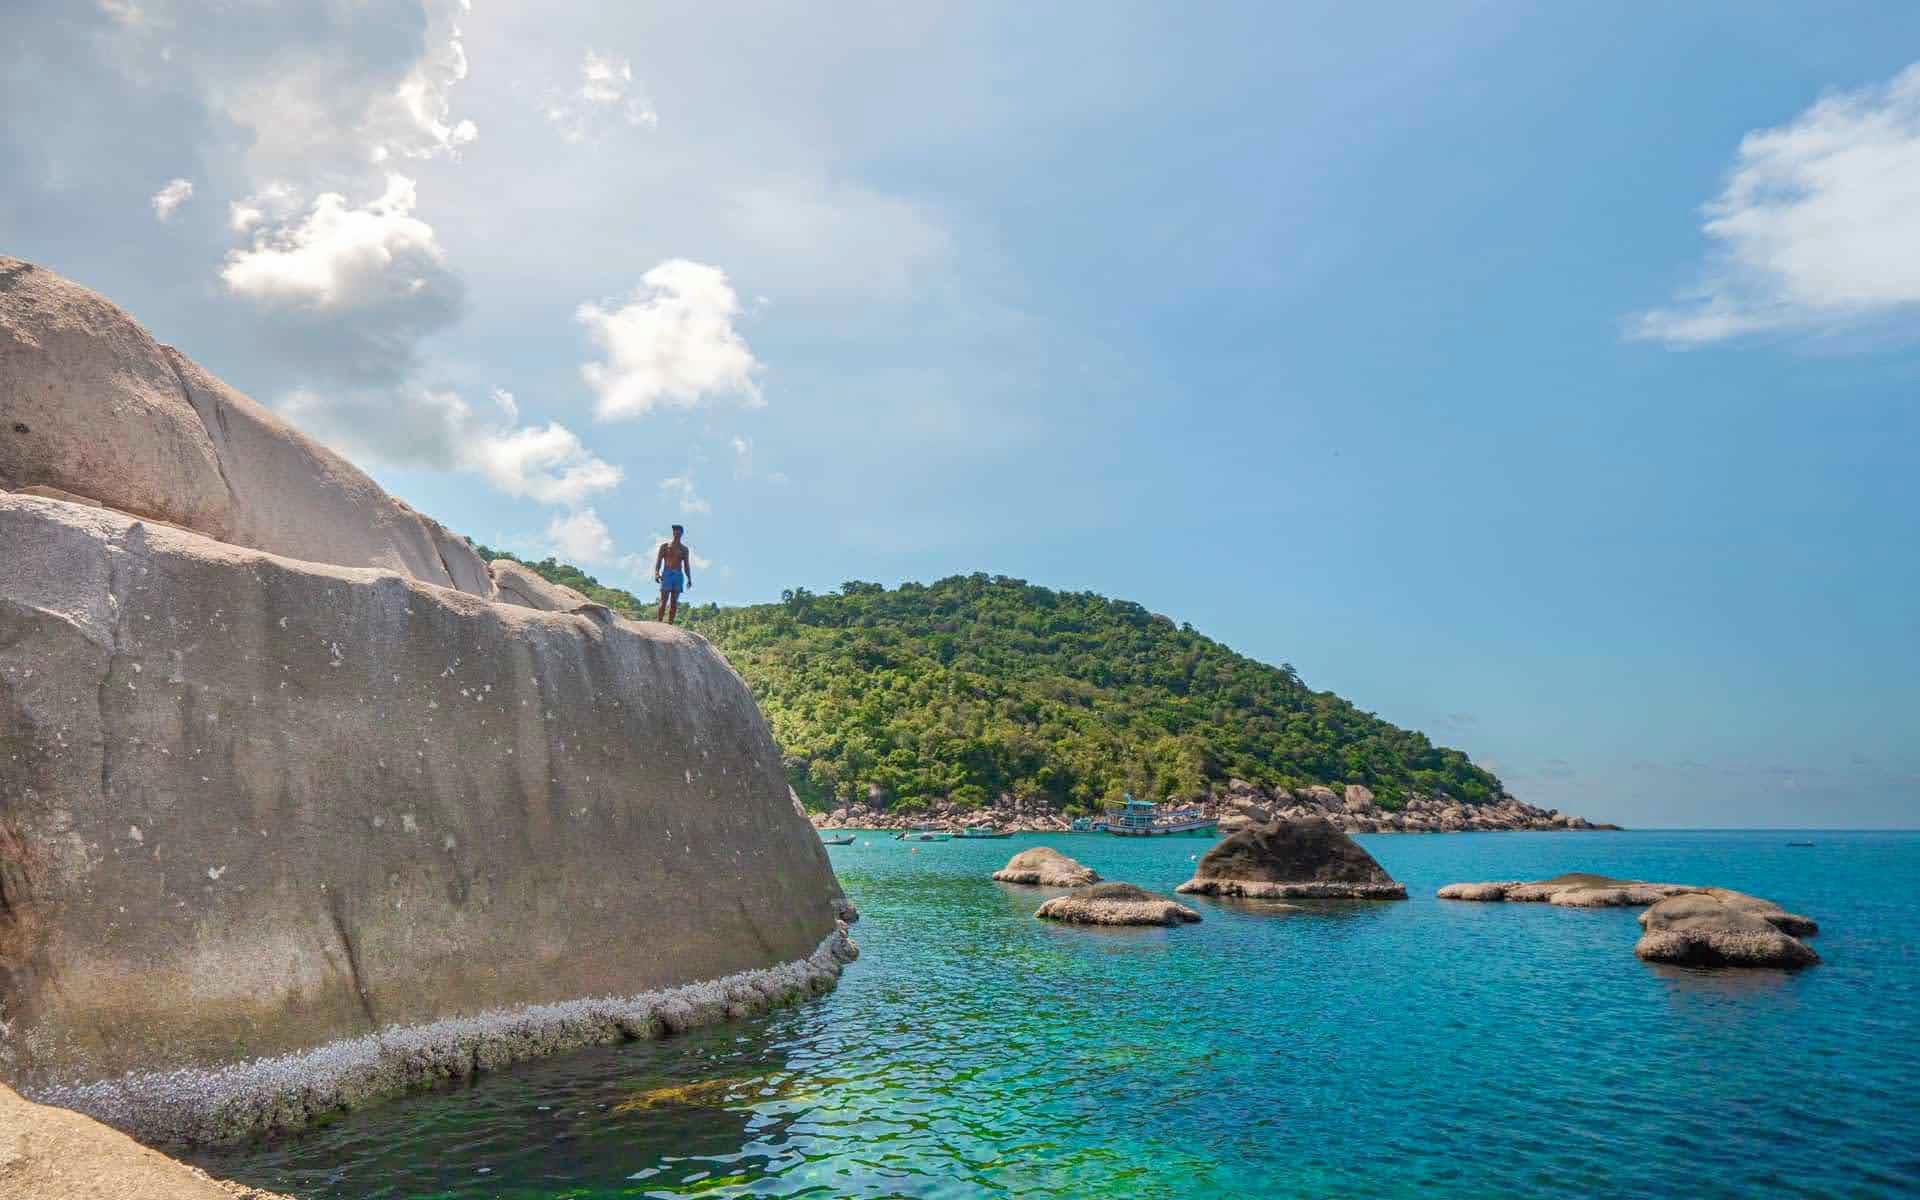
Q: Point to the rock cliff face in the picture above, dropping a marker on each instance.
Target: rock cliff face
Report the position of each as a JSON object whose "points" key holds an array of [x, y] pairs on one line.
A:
{"points": [[91, 405], [253, 805]]}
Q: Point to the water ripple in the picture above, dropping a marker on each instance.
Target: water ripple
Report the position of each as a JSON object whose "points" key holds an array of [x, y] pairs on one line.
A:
{"points": [[1357, 1049]]}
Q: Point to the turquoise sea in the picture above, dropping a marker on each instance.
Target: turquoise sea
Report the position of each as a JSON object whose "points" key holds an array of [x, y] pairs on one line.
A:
{"points": [[1386, 1049]]}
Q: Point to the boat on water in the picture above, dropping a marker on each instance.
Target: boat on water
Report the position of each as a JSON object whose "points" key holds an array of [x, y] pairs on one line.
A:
{"points": [[837, 841], [1084, 825], [1143, 818], [923, 835], [983, 831]]}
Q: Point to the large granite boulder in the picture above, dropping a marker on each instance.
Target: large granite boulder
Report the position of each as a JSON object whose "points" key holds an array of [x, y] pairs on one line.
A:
{"points": [[1719, 929], [91, 405], [1115, 904], [1043, 866], [49, 1153], [1292, 859], [252, 806]]}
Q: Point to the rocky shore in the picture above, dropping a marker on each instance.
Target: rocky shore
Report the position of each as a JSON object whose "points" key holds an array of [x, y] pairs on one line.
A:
{"points": [[1351, 809]]}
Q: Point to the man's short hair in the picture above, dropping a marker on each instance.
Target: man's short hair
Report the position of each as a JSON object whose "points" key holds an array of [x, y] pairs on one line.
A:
{"points": [[679, 529]]}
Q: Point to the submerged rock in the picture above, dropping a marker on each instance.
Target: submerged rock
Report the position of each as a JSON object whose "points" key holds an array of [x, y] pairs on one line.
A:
{"points": [[1582, 890], [1116, 904], [49, 1153], [1574, 890], [1721, 930], [1292, 859], [1043, 866]]}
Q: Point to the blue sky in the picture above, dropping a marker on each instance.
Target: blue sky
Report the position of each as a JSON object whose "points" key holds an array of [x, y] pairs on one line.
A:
{"points": [[1539, 376]]}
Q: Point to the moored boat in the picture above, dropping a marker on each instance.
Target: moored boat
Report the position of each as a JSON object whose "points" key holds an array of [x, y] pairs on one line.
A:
{"points": [[983, 831], [1143, 818], [837, 841]]}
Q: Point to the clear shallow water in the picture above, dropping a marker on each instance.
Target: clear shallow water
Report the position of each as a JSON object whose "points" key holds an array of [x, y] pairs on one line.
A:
{"points": [[1380, 1049]]}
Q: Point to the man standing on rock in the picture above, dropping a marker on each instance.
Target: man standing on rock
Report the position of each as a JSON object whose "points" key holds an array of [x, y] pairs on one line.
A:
{"points": [[678, 575]]}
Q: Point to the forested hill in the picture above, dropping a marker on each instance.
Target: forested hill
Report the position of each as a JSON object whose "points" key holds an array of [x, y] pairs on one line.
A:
{"points": [[979, 685]]}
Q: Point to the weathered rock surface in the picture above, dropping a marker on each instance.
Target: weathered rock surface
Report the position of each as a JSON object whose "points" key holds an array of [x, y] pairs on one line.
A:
{"points": [[1292, 859], [49, 1153], [91, 405], [1116, 904], [1043, 866], [250, 806], [515, 584], [1720, 929]]}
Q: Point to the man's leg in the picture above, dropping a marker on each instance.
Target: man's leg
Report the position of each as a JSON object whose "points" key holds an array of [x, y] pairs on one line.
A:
{"points": [[660, 614], [673, 606]]}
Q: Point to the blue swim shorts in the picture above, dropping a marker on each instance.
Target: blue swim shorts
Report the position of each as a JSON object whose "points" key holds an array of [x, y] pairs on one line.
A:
{"points": [[672, 581]]}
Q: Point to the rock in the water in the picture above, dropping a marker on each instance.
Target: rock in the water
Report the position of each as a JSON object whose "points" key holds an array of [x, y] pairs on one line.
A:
{"points": [[1292, 859], [49, 1153], [1043, 866], [1574, 890], [1717, 930], [1582, 890], [91, 405], [249, 806], [1116, 904]]}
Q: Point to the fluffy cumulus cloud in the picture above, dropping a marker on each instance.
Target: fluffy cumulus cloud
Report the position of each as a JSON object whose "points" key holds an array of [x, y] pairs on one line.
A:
{"points": [[416, 118], [361, 285], [605, 94], [438, 430], [582, 537], [171, 197], [1818, 226], [672, 344]]}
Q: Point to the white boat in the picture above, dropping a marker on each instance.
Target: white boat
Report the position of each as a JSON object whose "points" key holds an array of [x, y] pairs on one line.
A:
{"points": [[1143, 818]]}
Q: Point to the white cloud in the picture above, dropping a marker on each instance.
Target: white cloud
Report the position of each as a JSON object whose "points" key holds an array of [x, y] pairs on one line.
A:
{"points": [[581, 537], [275, 201], [170, 197], [416, 120], [1818, 225], [123, 13], [339, 257], [350, 290], [681, 488], [416, 426], [673, 344], [605, 91]]}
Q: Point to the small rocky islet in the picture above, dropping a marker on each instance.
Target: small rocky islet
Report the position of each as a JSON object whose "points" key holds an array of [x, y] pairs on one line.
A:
{"points": [[1043, 866], [1116, 903], [1684, 924], [1292, 859]]}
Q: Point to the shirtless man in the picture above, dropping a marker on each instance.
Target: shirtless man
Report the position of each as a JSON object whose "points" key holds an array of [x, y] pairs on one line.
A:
{"points": [[678, 575]]}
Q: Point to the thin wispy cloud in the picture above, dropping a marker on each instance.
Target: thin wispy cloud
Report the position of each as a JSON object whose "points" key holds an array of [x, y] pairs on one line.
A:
{"points": [[1817, 228], [171, 197]]}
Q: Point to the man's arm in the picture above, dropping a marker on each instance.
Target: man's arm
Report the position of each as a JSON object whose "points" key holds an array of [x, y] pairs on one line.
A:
{"points": [[686, 564], [658, 556]]}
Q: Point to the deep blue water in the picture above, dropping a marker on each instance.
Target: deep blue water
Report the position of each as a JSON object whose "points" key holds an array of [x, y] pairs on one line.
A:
{"points": [[1383, 1049]]}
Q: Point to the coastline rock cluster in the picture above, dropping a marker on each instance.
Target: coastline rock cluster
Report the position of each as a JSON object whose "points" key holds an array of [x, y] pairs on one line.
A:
{"points": [[1684, 923], [1352, 809], [288, 775], [1292, 859]]}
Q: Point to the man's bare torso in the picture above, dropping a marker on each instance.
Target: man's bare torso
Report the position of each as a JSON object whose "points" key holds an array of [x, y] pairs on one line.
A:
{"points": [[672, 556]]}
